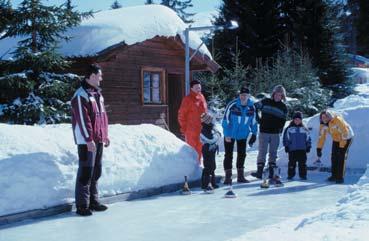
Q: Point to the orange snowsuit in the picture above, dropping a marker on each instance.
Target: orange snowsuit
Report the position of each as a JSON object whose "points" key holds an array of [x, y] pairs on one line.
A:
{"points": [[192, 106]]}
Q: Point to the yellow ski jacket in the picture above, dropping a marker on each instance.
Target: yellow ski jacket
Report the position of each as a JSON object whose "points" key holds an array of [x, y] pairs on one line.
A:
{"points": [[339, 129]]}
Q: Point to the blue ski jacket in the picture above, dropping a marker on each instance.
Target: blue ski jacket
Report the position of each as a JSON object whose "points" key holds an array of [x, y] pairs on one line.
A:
{"points": [[239, 120], [296, 138]]}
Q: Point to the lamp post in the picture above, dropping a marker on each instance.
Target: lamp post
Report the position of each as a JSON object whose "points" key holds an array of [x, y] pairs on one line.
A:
{"points": [[230, 25]]}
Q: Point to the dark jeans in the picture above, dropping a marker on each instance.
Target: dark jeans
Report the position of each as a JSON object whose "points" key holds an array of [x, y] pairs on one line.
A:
{"points": [[89, 172], [338, 159], [300, 158], [241, 153], [208, 153]]}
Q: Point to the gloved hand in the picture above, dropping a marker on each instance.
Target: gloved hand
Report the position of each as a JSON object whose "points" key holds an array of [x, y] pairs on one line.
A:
{"points": [[319, 152], [252, 140], [286, 149], [308, 150]]}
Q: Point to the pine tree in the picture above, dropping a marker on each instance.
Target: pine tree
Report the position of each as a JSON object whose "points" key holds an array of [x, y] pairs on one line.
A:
{"points": [[328, 53], [6, 15], [260, 31], [149, 2], [116, 4], [294, 70], [43, 27], [33, 94], [363, 27], [180, 6]]}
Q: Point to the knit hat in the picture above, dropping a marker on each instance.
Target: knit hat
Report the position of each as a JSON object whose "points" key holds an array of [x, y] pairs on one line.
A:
{"points": [[244, 90], [194, 82], [279, 89], [297, 114], [206, 118]]}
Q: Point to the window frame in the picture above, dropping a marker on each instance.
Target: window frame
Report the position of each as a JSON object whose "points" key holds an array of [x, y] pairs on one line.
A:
{"points": [[162, 86]]}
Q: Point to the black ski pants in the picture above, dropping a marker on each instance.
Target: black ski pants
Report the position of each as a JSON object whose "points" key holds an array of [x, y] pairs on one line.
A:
{"points": [[208, 154], [89, 172], [294, 157], [241, 153], [338, 159]]}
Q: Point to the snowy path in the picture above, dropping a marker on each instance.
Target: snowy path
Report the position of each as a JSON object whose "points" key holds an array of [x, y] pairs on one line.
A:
{"points": [[197, 217]]}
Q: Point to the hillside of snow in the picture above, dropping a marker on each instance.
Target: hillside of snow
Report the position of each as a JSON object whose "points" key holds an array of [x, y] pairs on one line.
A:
{"points": [[38, 164]]}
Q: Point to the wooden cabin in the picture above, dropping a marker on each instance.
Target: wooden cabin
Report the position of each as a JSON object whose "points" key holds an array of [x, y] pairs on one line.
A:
{"points": [[142, 55], [144, 82]]}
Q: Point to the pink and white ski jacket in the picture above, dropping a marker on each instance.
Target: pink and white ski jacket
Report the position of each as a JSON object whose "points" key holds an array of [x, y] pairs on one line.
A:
{"points": [[89, 118]]}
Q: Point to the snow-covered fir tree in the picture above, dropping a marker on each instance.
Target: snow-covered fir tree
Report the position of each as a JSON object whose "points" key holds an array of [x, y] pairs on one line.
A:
{"points": [[149, 2], [6, 15], [260, 31], [180, 6], [362, 28], [34, 94], [116, 4]]}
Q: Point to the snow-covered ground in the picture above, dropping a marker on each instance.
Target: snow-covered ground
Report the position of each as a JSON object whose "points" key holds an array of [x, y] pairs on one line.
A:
{"points": [[348, 220], [199, 217], [40, 162]]}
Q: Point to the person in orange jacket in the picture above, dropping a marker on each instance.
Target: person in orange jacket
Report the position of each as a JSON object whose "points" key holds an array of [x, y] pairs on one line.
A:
{"points": [[342, 135], [189, 116]]}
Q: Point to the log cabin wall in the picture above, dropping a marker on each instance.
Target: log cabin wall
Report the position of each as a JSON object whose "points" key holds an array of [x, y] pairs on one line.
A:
{"points": [[122, 84]]}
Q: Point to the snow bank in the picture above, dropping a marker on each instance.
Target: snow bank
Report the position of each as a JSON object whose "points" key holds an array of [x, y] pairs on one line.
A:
{"points": [[348, 220], [354, 109], [129, 25], [38, 164]]}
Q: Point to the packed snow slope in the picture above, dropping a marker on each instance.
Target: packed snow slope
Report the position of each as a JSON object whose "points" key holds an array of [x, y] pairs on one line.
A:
{"points": [[38, 164]]}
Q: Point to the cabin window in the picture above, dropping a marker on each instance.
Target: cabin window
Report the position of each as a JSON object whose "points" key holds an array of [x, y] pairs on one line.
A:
{"points": [[153, 86]]}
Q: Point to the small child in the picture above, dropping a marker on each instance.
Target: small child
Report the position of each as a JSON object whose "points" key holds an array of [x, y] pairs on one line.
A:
{"points": [[297, 143], [209, 137]]}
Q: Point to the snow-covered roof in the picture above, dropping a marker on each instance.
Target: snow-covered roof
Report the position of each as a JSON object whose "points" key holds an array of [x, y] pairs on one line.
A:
{"points": [[129, 25]]}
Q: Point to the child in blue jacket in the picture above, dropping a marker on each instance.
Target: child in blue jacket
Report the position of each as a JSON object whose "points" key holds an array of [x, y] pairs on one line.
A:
{"points": [[297, 143]]}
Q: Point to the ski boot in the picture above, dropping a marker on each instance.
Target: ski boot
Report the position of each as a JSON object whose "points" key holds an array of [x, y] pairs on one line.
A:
{"points": [[230, 193], [209, 189]]}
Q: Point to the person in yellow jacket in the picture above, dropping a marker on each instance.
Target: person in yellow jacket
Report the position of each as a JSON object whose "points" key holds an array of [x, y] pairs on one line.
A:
{"points": [[342, 135]]}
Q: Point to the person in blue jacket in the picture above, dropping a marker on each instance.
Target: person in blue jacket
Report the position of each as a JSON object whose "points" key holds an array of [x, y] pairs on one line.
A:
{"points": [[238, 121], [297, 143]]}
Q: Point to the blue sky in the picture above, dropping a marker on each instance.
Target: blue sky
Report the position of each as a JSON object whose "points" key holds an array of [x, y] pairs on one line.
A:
{"points": [[84, 5]]}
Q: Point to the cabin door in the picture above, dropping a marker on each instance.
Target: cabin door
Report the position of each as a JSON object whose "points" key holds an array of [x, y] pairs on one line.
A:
{"points": [[175, 95]]}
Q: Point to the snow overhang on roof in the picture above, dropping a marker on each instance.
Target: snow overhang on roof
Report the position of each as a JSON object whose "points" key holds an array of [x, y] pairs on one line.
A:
{"points": [[127, 25]]}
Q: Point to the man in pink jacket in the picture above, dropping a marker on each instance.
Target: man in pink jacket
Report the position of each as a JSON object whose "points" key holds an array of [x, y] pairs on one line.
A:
{"points": [[90, 129]]}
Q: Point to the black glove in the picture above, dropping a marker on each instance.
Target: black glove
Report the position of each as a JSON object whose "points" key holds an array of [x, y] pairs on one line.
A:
{"points": [[308, 150], [252, 140], [286, 149], [319, 152]]}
